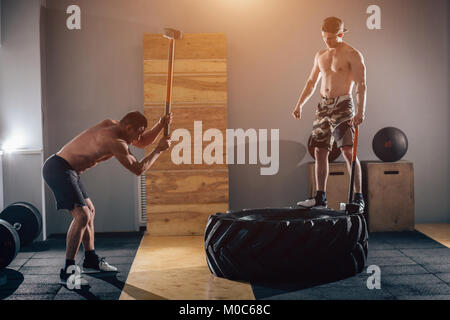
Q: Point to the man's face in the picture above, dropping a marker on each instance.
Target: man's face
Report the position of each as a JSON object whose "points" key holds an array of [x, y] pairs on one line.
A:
{"points": [[134, 134], [332, 39]]}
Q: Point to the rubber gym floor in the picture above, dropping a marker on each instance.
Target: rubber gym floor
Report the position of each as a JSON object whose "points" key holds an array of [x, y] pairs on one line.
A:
{"points": [[413, 266]]}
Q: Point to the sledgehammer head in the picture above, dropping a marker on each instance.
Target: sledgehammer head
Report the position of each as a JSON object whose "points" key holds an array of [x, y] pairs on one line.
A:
{"points": [[349, 208], [172, 34]]}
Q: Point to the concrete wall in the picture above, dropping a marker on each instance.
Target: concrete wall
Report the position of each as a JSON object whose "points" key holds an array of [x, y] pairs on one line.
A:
{"points": [[22, 179], [96, 73], [20, 101], [20, 72]]}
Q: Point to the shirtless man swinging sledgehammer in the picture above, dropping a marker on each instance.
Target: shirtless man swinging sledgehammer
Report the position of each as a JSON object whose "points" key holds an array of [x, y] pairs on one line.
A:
{"points": [[109, 138], [340, 66]]}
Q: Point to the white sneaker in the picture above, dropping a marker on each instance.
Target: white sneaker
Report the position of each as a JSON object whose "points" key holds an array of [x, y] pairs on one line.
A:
{"points": [[100, 266], [311, 203], [73, 279]]}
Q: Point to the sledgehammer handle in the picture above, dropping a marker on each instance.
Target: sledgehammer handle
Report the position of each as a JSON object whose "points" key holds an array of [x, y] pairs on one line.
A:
{"points": [[352, 175], [169, 83]]}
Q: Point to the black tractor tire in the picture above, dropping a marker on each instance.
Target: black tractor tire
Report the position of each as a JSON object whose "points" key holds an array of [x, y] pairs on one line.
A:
{"points": [[292, 243]]}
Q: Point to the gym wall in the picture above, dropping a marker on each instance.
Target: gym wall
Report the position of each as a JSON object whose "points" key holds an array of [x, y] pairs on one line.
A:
{"points": [[20, 101], [96, 73]]}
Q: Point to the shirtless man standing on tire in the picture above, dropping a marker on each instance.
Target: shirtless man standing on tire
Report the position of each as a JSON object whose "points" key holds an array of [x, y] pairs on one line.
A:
{"points": [[109, 138], [340, 66]]}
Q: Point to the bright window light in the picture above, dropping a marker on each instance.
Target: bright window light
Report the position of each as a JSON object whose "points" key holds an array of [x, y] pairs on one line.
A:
{"points": [[13, 143]]}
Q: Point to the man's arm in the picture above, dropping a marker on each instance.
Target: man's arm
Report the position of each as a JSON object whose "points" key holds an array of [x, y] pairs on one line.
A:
{"points": [[150, 135], [122, 153], [359, 76], [309, 87]]}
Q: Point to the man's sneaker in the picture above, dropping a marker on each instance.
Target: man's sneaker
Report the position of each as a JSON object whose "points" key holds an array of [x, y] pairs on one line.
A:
{"points": [[98, 265], [360, 203], [75, 282], [312, 203]]}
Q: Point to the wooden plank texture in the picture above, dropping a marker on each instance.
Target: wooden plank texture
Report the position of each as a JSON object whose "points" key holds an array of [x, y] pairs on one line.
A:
{"points": [[181, 197], [186, 66], [184, 117], [186, 89], [182, 187], [184, 219], [390, 188], [192, 46]]}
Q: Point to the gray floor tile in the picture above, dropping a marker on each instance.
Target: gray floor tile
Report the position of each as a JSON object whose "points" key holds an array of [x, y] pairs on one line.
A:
{"points": [[380, 246], [31, 297], [45, 262], [37, 289], [389, 261], [403, 270], [437, 268], [414, 279], [50, 254], [444, 277], [17, 262], [418, 289], [433, 260], [40, 270], [25, 255], [385, 253], [429, 252]]}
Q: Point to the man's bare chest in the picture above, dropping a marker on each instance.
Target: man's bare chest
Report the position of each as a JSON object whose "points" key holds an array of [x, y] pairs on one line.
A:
{"points": [[333, 62]]}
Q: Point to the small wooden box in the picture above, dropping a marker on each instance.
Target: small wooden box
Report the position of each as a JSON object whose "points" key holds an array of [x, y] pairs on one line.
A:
{"points": [[389, 191], [337, 183]]}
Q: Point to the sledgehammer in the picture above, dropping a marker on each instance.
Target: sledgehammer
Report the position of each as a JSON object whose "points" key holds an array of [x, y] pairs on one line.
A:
{"points": [[172, 35], [352, 207]]}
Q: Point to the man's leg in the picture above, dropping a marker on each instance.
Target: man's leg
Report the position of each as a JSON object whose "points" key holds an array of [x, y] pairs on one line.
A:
{"points": [[321, 173], [81, 217], [88, 237], [347, 153], [321, 168], [92, 262]]}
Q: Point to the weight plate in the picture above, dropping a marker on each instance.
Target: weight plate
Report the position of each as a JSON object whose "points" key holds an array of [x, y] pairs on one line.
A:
{"points": [[9, 244], [25, 218]]}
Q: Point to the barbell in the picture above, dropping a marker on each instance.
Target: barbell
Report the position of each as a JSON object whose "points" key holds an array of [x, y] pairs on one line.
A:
{"points": [[20, 224]]}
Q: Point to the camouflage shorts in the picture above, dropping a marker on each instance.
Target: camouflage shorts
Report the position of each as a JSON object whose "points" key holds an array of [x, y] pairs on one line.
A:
{"points": [[331, 123]]}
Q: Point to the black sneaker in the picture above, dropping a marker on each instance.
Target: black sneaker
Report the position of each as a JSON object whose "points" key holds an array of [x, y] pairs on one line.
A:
{"points": [[78, 280], [97, 265], [360, 202]]}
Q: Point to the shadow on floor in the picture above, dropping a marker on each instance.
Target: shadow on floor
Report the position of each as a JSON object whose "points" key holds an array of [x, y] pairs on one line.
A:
{"points": [[14, 280]]}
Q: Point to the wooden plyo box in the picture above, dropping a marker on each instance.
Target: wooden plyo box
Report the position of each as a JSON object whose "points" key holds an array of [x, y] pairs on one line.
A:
{"points": [[389, 191], [337, 183]]}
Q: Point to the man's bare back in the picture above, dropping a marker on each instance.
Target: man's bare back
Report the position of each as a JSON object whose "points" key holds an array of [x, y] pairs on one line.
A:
{"points": [[111, 139], [91, 146]]}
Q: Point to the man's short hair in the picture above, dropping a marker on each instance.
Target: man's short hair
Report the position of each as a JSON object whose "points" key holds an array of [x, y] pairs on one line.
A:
{"points": [[333, 25], [135, 119]]}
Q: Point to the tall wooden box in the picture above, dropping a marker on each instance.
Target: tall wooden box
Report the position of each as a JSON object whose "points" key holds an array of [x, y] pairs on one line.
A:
{"points": [[389, 191], [337, 183]]}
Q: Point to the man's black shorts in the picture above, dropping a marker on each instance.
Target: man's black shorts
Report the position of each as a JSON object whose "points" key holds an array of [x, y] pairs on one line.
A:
{"points": [[65, 183]]}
